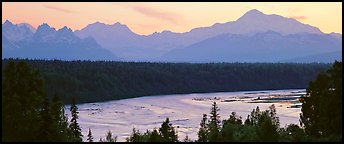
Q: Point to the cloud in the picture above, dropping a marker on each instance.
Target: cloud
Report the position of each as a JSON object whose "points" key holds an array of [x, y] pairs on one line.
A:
{"points": [[158, 13], [59, 9], [299, 18]]}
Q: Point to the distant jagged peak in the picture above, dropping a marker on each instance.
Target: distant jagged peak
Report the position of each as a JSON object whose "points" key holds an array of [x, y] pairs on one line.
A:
{"points": [[115, 26], [217, 24], [163, 31], [30, 27], [16, 32], [45, 26], [118, 24], [94, 26], [166, 31], [65, 29], [96, 23], [7, 23], [21, 26], [334, 33], [253, 12], [121, 26], [66, 32], [256, 20], [44, 30], [252, 15]]}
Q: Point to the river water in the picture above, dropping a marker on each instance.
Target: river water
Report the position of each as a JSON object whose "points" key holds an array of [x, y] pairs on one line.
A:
{"points": [[184, 111]]}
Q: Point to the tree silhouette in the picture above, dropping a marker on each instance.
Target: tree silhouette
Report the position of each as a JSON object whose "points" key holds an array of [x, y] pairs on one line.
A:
{"points": [[22, 102], [214, 123], [203, 130], [48, 130], [109, 137], [74, 125], [266, 129], [60, 119], [89, 136], [167, 131], [155, 137], [136, 136], [231, 127], [322, 105]]}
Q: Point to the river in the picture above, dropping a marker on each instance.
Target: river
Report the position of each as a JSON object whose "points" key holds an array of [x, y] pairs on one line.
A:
{"points": [[184, 111]]}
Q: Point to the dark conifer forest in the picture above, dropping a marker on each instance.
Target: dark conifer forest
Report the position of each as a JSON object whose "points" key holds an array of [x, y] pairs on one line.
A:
{"points": [[94, 81]]}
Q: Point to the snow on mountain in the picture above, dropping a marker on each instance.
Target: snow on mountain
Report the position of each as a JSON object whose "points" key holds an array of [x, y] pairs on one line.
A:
{"points": [[256, 21], [336, 35], [270, 32], [267, 46], [119, 39], [49, 43], [28, 26], [15, 33]]}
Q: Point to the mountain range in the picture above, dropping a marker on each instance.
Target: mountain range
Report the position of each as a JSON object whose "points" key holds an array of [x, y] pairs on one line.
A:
{"points": [[21, 41], [254, 37]]}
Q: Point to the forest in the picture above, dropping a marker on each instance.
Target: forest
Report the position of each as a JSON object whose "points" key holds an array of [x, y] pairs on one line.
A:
{"points": [[94, 81], [28, 115]]}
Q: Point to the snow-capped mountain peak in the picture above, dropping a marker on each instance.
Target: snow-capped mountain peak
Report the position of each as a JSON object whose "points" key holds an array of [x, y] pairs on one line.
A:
{"points": [[30, 27], [7, 23]]}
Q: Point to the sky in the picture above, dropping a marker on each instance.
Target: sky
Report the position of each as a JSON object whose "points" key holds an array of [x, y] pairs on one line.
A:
{"points": [[149, 17]]}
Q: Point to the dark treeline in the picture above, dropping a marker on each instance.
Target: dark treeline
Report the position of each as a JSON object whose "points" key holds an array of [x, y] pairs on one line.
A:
{"points": [[91, 81]]}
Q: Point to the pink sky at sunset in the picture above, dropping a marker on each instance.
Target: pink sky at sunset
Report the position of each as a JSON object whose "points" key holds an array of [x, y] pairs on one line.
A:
{"points": [[147, 18]]}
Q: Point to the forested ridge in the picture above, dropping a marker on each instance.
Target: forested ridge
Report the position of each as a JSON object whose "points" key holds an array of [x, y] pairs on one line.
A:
{"points": [[92, 81]]}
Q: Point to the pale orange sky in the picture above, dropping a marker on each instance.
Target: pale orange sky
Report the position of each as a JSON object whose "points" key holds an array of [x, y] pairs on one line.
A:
{"points": [[146, 18]]}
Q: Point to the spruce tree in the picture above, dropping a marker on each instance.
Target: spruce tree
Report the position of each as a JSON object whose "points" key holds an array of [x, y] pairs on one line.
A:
{"points": [[203, 130], [47, 130], [231, 128], [214, 123], [254, 117], [109, 138], [59, 119], [135, 136], [155, 137], [74, 126], [266, 129], [66, 131], [89, 136], [273, 115], [167, 132], [173, 134]]}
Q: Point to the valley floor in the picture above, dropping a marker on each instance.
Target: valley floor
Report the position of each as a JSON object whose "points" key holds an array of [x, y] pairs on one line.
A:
{"points": [[184, 111]]}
